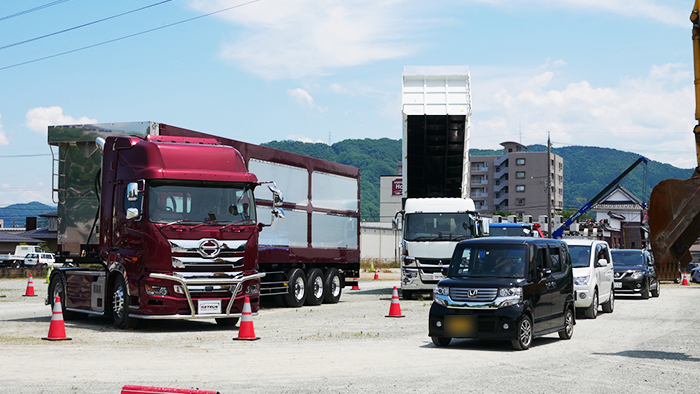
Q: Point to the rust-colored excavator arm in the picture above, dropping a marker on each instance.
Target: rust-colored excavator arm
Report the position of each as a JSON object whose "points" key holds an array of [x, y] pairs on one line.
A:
{"points": [[674, 204]]}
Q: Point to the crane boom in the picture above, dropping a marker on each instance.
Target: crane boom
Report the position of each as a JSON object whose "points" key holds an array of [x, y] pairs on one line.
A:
{"points": [[560, 231]]}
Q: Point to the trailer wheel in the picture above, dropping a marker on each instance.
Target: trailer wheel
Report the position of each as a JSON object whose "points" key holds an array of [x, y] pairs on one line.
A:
{"points": [[296, 294], [334, 286], [316, 287], [120, 304]]}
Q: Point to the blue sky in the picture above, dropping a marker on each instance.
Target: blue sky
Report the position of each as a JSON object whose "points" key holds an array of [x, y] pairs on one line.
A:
{"points": [[608, 73]]}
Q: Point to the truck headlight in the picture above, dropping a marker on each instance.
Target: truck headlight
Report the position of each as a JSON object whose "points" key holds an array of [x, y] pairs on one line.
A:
{"points": [[581, 280], [156, 290], [409, 260], [442, 290], [253, 289]]}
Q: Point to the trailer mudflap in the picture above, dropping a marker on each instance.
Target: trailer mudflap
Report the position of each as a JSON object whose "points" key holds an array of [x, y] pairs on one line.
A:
{"points": [[186, 282]]}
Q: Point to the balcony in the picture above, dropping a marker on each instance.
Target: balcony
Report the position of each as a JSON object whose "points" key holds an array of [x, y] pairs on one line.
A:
{"points": [[479, 168]]}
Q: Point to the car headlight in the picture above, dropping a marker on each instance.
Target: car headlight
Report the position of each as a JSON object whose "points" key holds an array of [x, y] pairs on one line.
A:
{"points": [[638, 275], [510, 292], [581, 280], [156, 290], [442, 290]]}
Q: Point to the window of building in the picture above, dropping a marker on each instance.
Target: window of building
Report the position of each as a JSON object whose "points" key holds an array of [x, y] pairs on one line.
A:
{"points": [[520, 202], [520, 174], [520, 161], [520, 188]]}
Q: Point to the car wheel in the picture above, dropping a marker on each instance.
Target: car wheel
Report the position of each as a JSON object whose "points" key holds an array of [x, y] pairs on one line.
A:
{"points": [[568, 330], [296, 294], [655, 293], [333, 286], [645, 291], [226, 321], [592, 311], [609, 306], [524, 339], [441, 341], [316, 287]]}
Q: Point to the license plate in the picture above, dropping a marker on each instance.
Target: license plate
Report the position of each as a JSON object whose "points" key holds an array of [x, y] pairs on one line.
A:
{"points": [[460, 325], [618, 285], [438, 276], [208, 307]]}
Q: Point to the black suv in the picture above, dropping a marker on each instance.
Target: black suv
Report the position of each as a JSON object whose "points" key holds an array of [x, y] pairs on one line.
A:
{"points": [[505, 288], [635, 273]]}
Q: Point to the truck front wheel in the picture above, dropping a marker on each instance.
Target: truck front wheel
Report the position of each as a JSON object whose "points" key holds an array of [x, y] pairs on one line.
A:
{"points": [[120, 303], [296, 288], [16, 264]]}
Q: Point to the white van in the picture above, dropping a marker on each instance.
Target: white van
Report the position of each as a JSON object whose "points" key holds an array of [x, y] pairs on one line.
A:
{"points": [[594, 275]]}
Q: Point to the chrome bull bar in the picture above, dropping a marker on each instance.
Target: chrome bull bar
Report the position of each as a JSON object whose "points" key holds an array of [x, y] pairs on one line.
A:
{"points": [[186, 282]]}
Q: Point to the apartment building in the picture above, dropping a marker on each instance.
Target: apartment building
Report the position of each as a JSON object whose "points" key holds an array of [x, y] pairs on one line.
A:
{"points": [[517, 181]]}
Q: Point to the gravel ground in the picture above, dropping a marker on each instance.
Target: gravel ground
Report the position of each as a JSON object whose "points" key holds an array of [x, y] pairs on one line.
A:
{"points": [[644, 346]]}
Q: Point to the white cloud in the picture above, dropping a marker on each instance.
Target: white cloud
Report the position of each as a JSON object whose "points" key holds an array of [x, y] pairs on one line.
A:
{"points": [[653, 9], [39, 118], [339, 89], [285, 38], [3, 136], [294, 137], [303, 99], [652, 115]]}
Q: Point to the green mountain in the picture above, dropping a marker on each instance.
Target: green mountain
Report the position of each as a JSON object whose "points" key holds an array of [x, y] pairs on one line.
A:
{"points": [[587, 170], [15, 215]]}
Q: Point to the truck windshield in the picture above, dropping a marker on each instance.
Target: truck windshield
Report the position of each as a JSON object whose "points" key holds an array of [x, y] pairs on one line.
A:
{"points": [[512, 231], [437, 227], [197, 203], [489, 261], [628, 259]]}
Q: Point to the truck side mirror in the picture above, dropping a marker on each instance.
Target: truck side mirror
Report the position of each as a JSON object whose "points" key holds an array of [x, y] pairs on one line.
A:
{"points": [[277, 195], [132, 213]]}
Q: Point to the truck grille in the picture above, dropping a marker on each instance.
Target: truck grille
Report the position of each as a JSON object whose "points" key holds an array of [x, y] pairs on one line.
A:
{"points": [[472, 295], [207, 252]]}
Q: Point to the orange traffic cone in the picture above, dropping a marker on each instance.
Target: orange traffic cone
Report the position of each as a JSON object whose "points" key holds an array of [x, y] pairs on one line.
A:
{"points": [[376, 274], [30, 288], [246, 331], [685, 280], [57, 330], [356, 286], [395, 309]]}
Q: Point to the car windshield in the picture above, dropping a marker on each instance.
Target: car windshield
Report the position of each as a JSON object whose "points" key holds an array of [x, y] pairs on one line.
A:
{"points": [[580, 255], [437, 227], [197, 203], [489, 261], [628, 259], [510, 231]]}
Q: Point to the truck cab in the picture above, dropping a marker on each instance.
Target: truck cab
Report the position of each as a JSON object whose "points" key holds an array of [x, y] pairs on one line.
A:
{"points": [[431, 229]]}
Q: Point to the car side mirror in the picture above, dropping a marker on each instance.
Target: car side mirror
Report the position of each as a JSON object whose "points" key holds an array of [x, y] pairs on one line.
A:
{"points": [[545, 272], [601, 263]]}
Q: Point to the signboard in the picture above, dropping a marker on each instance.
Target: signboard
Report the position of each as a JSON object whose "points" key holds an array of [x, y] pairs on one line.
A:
{"points": [[397, 187]]}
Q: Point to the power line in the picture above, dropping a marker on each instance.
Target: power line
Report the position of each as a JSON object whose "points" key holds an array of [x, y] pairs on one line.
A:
{"points": [[128, 36], [33, 155], [83, 25], [41, 7]]}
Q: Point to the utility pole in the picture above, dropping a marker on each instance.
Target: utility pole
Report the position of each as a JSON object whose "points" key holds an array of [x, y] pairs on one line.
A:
{"points": [[550, 224]]}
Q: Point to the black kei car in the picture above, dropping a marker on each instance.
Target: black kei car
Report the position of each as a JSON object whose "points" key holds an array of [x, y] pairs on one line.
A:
{"points": [[635, 273], [511, 288]]}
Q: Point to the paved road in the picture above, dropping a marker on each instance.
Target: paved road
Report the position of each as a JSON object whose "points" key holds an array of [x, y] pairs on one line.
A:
{"points": [[644, 346]]}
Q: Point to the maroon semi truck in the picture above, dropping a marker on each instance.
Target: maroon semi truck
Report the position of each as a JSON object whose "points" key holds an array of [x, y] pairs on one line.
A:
{"points": [[159, 222]]}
